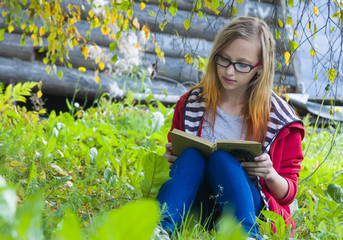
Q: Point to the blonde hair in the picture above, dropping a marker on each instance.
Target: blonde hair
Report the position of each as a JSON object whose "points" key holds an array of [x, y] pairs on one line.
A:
{"points": [[256, 111]]}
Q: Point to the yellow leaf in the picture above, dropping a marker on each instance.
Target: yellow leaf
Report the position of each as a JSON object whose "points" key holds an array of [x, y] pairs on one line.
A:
{"points": [[10, 28], [187, 23], [315, 10], [42, 174], [47, 69], [289, 21], [32, 27], [105, 30], [312, 52], [142, 5], [14, 164], [42, 31], [4, 14], [76, 42], [91, 13], [97, 22], [72, 21], [84, 51], [82, 69], [295, 34], [126, 24], [39, 94], [137, 45], [188, 58], [97, 79], [332, 75], [97, 60], [280, 22], [23, 26], [101, 66], [135, 23], [287, 57], [287, 97], [146, 32], [309, 25], [129, 14], [40, 84]]}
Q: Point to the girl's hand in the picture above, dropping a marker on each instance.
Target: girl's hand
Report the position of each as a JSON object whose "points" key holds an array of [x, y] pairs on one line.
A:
{"points": [[262, 167], [169, 154]]}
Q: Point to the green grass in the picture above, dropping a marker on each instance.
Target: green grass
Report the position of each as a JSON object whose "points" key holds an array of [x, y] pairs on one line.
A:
{"points": [[71, 176]]}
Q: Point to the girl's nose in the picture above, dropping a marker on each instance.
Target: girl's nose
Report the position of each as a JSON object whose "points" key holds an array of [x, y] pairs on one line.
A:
{"points": [[230, 69]]}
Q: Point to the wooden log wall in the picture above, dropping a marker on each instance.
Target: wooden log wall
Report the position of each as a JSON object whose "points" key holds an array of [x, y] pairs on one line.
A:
{"points": [[23, 63]]}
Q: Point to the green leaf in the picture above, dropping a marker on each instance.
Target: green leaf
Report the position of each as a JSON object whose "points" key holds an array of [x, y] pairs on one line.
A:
{"points": [[60, 74], [234, 11], [113, 46], [198, 4], [279, 66], [200, 14], [289, 21], [293, 45], [291, 3], [280, 22], [136, 220], [277, 34], [332, 75], [69, 228], [2, 32], [187, 23], [336, 14], [156, 172], [33, 173], [29, 218], [173, 8], [114, 58], [240, 1], [228, 228], [215, 4]]}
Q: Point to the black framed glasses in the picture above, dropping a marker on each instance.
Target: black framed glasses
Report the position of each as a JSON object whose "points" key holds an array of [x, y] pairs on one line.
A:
{"points": [[239, 67]]}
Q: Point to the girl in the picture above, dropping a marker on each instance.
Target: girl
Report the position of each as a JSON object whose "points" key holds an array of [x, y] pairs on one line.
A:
{"points": [[235, 101]]}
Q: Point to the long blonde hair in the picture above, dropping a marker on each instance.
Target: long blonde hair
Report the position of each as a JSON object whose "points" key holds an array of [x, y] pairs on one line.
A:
{"points": [[256, 111]]}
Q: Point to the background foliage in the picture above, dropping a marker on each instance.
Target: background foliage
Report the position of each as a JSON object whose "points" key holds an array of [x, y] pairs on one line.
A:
{"points": [[74, 176]]}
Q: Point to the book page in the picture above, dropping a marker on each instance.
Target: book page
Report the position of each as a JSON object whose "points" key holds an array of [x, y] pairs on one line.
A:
{"points": [[181, 141], [243, 151]]}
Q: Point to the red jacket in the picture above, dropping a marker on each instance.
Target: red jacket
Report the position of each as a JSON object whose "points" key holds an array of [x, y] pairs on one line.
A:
{"points": [[285, 153]]}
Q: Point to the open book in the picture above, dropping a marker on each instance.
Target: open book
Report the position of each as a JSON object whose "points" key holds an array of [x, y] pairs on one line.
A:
{"points": [[243, 151]]}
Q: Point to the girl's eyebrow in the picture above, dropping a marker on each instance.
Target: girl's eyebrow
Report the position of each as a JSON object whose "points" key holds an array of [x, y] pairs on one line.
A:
{"points": [[239, 60]]}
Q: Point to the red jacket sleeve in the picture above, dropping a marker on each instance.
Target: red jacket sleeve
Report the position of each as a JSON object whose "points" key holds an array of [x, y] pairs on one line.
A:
{"points": [[178, 115], [289, 150]]}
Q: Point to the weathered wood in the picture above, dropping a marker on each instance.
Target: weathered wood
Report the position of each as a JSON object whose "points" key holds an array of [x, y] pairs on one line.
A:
{"points": [[174, 46], [188, 5], [174, 68], [199, 28], [52, 85], [10, 47]]}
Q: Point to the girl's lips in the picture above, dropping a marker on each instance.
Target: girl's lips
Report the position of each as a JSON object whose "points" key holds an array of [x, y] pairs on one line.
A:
{"points": [[228, 80]]}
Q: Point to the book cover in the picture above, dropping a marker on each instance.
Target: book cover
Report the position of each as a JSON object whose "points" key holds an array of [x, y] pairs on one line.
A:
{"points": [[240, 149]]}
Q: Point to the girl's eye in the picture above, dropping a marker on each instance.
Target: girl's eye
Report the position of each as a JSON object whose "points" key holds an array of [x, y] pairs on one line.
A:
{"points": [[242, 65]]}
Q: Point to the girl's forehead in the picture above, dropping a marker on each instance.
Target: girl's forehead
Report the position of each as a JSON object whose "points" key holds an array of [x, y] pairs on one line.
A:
{"points": [[242, 48]]}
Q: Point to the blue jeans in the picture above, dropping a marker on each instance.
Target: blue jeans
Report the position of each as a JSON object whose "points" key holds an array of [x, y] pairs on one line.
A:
{"points": [[191, 173]]}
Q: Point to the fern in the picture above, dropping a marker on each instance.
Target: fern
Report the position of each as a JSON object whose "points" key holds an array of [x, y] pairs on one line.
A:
{"points": [[18, 93]]}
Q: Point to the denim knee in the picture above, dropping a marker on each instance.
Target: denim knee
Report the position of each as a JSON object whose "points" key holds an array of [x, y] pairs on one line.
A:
{"points": [[192, 156], [222, 158]]}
